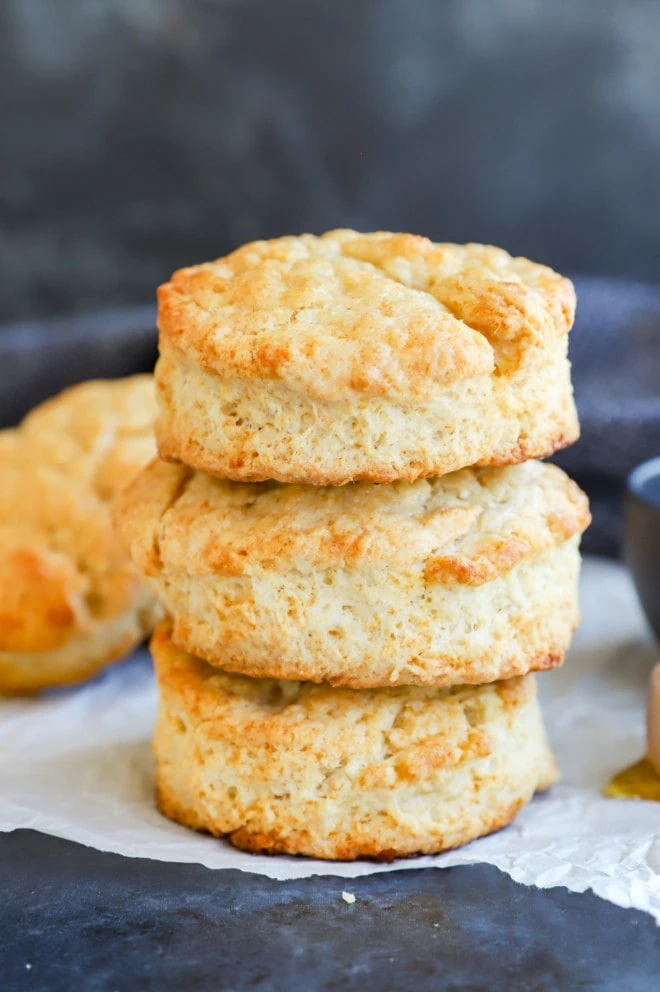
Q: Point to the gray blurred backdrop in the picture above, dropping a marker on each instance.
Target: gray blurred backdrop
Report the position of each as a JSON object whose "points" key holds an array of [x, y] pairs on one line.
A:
{"points": [[140, 135]]}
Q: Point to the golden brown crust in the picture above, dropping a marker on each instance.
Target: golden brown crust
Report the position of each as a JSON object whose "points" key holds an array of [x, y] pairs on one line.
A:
{"points": [[302, 769], [63, 574], [527, 449], [459, 580], [83, 655], [467, 527], [400, 315], [275, 842], [272, 842], [453, 670], [362, 357], [273, 712]]}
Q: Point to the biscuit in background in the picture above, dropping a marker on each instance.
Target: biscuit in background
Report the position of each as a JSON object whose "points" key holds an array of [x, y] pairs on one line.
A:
{"points": [[70, 599]]}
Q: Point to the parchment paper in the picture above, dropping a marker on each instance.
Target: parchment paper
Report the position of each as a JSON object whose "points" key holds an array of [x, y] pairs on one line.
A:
{"points": [[77, 764]]}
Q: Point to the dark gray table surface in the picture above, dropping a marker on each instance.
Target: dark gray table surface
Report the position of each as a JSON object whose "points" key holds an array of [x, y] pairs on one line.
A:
{"points": [[83, 920]]}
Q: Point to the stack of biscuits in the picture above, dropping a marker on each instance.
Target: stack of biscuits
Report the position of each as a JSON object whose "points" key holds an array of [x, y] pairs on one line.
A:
{"points": [[360, 558]]}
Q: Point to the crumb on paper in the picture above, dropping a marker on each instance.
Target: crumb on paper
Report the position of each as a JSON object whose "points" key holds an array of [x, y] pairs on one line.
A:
{"points": [[348, 897]]}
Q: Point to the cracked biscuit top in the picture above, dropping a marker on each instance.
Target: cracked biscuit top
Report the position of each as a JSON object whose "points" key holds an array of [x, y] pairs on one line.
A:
{"points": [[468, 527], [377, 314], [62, 570]]}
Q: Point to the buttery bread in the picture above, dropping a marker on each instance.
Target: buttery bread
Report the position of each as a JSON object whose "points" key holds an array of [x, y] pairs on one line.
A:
{"points": [[297, 768], [467, 578], [70, 598], [377, 357]]}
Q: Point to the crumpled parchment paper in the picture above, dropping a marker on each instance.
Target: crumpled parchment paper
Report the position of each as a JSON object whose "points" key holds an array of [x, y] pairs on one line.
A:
{"points": [[77, 764]]}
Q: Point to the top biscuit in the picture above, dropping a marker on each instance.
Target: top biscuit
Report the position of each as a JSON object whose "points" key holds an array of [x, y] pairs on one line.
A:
{"points": [[377, 357], [70, 599]]}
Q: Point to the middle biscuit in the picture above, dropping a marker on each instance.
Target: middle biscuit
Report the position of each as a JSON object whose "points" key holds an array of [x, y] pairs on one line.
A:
{"points": [[464, 579]]}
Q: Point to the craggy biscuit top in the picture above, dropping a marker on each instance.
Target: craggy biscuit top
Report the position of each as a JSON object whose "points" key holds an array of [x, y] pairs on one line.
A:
{"points": [[62, 569], [377, 314], [467, 527], [292, 714]]}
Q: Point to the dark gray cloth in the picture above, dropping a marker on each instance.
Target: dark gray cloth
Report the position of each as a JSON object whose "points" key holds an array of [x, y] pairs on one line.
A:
{"points": [[38, 358], [615, 348]]}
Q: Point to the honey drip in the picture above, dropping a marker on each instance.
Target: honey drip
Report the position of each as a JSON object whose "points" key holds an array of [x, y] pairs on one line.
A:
{"points": [[640, 781]]}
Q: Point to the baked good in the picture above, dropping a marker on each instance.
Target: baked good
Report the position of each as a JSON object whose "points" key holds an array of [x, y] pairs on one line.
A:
{"points": [[298, 768], [378, 357], [70, 598], [463, 579]]}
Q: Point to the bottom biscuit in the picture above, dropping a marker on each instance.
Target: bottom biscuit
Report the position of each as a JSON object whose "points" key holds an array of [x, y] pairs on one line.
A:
{"points": [[299, 768]]}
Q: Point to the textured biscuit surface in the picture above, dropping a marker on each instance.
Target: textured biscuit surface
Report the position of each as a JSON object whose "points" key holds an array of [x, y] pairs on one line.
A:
{"points": [[298, 768], [463, 579], [378, 357], [70, 598]]}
